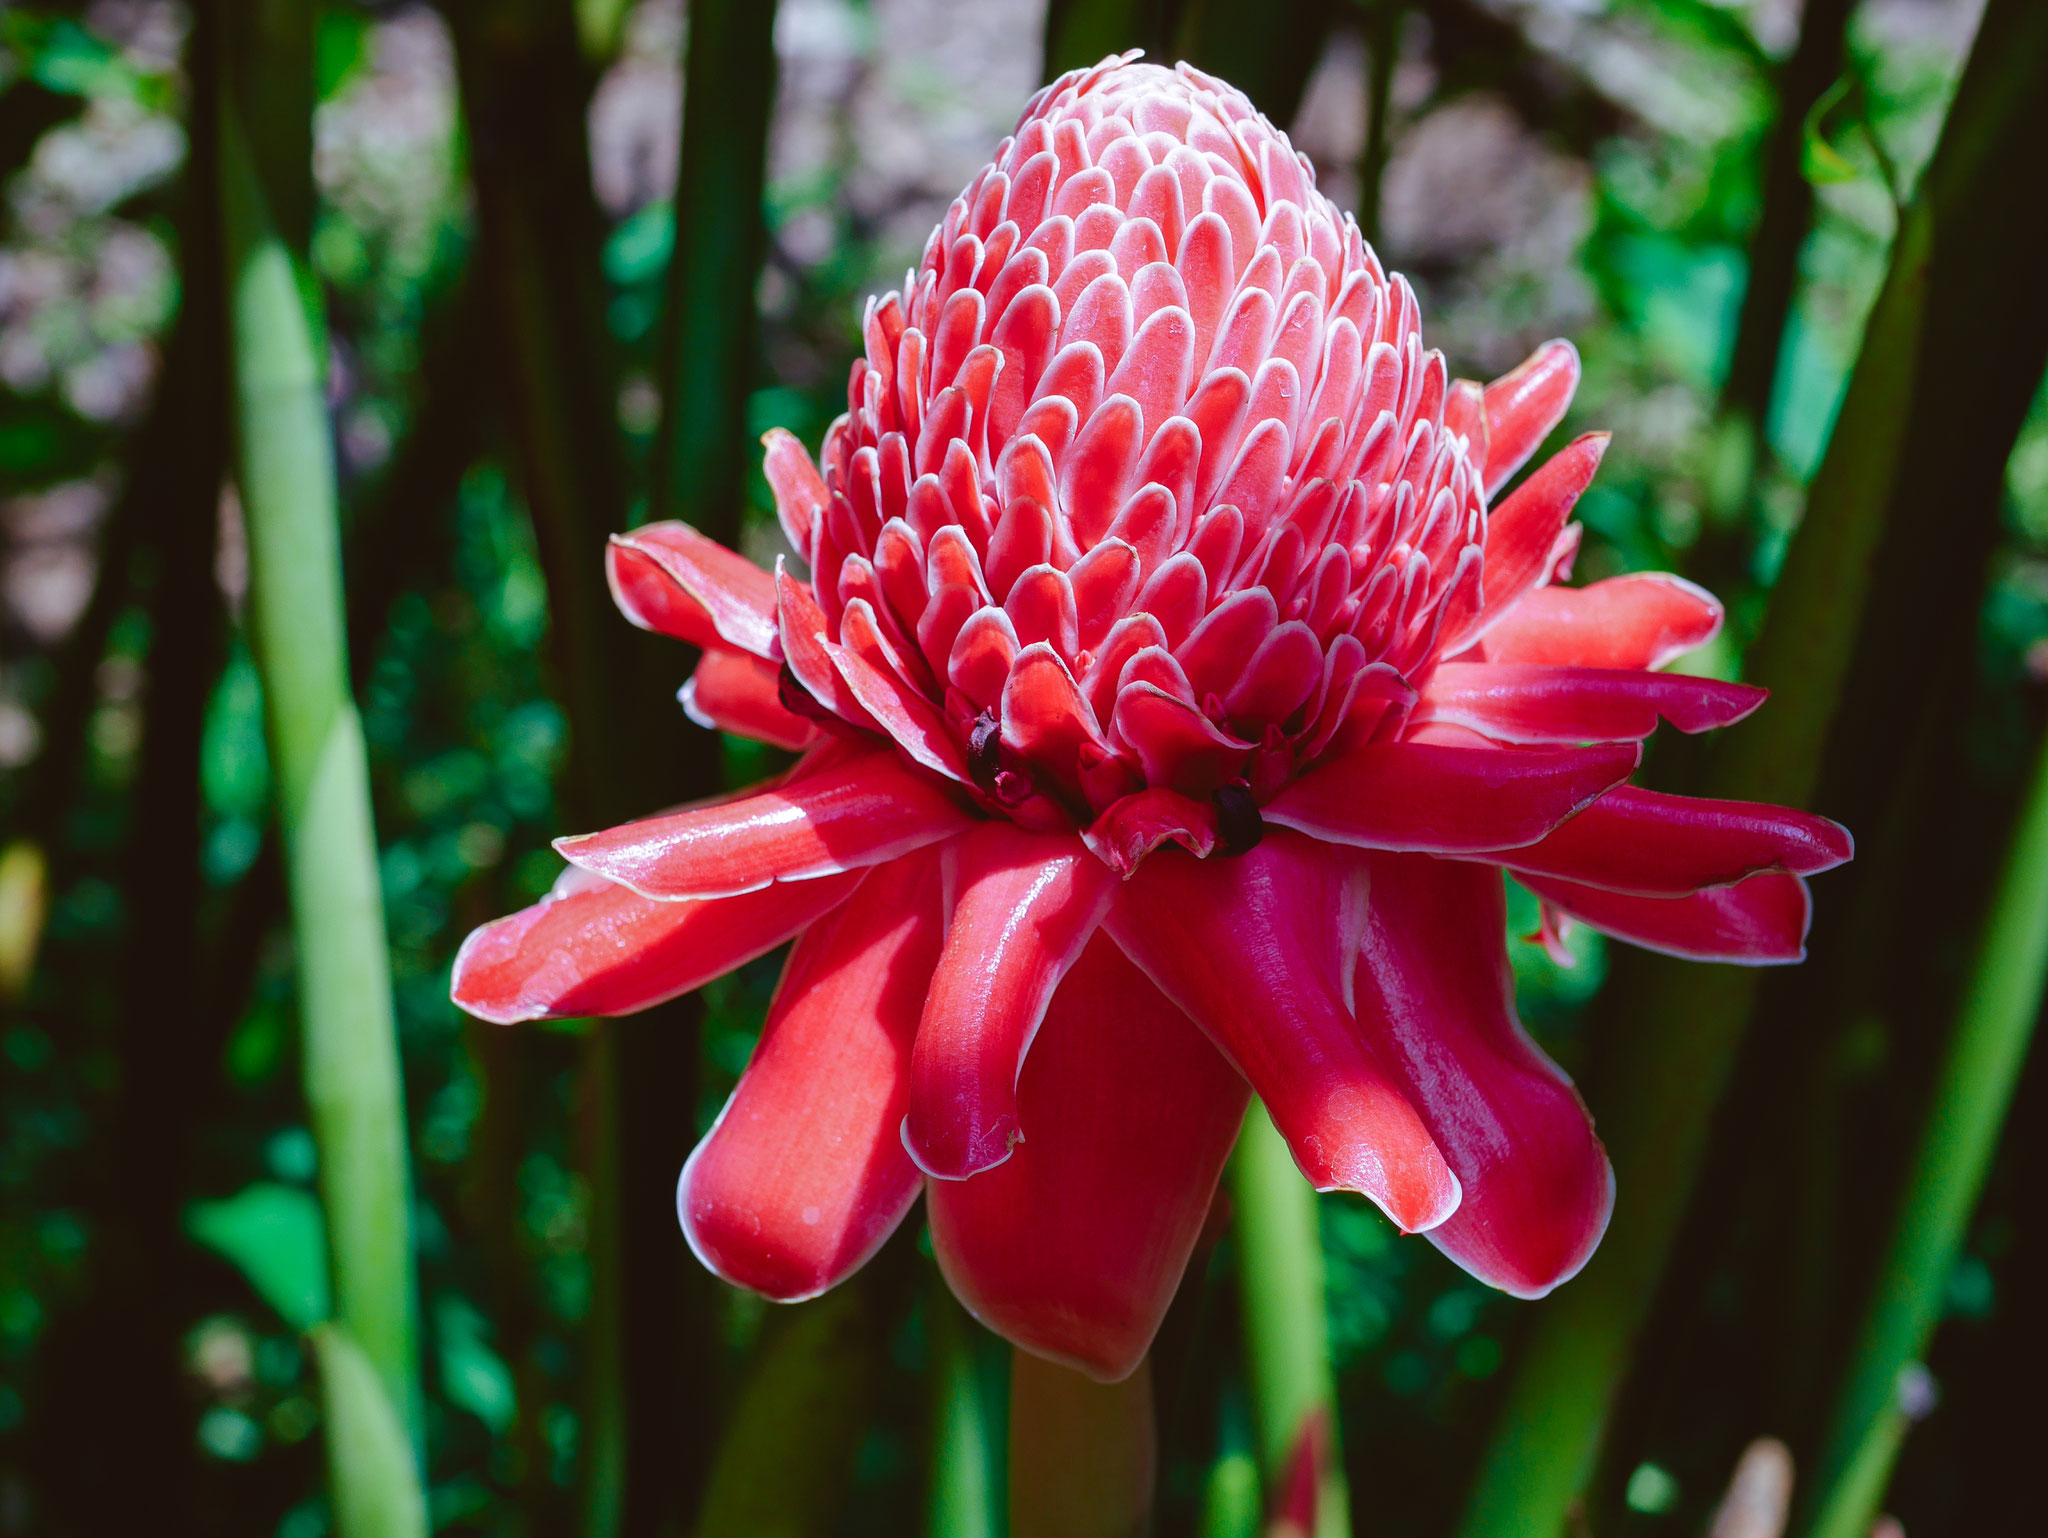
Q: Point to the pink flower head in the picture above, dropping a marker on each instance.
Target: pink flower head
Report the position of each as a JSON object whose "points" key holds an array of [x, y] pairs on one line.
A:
{"points": [[1170, 699]]}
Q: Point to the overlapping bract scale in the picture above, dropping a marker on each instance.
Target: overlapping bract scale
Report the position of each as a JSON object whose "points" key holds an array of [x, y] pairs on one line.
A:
{"points": [[1151, 435]]}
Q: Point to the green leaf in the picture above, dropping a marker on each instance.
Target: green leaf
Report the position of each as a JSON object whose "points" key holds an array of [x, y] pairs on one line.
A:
{"points": [[273, 1235], [473, 1375], [1822, 163]]}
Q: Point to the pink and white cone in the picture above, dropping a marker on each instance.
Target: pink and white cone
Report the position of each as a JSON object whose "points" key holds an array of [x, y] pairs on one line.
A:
{"points": [[1171, 692]]}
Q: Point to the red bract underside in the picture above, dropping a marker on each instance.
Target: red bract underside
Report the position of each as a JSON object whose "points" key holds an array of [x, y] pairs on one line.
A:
{"points": [[1170, 698]]}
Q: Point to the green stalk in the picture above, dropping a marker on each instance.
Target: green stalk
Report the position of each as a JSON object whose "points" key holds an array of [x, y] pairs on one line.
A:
{"points": [[1383, 38], [2000, 1004], [349, 1040], [376, 1492], [1082, 1454], [1286, 1320], [786, 1461], [704, 450], [964, 1473], [1883, 563]]}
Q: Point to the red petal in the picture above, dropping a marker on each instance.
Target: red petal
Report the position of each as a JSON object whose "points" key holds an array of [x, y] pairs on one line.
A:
{"points": [[802, 627], [903, 713], [799, 490], [736, 692], [592, 948], [1074, 1247], [1436, 999], [804, 1174], [669, 578], [870, 809], [1138, 824], [1045, 717], [1024, 905], [1448, 800], [1640, 621], [1516, 702], [1522, 531], [1096, 475], [1758, 922], [1257, 950], [1656, 845], [1522, 406], [1175, 743]]}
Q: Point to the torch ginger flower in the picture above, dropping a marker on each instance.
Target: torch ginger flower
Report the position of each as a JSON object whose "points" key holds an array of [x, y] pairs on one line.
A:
{"points": [[1170, 700]]}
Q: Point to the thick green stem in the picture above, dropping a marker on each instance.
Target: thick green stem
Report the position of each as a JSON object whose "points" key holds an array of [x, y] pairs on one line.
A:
{"points": [[1286, 1320], [963, 1471], [1881, 561], [704, 450], [1083, 1454], [349, 1040], [786, 1461], [2000, 1004]]}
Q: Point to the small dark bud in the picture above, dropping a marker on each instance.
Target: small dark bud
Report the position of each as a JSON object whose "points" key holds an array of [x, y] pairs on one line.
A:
{"points": [[985, 750], [997, 771], [1239, 827]]}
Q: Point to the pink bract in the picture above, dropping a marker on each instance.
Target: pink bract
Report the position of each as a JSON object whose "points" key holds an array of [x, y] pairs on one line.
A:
{"points": [[1170, 697]]}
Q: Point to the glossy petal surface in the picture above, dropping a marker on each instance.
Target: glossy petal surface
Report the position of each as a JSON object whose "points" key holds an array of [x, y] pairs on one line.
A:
{"points": [[1520, 703], [1257, 950], [803, 1176], [1437, 1001], [593, 948], [1448, 800], [734, 691], [1074, 1246], [869, 809], [1023, 906], [668, 577], [1640, 621], [1659, 845], [1758, 922]]}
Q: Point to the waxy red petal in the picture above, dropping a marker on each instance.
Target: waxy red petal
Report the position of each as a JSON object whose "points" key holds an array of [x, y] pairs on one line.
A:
{"points": [[1438, 799], [669, 578], [1523, 405], [802, 627], [1659, 845], [1436, 999], [799, 490], [1023, 906], [1519, 702], [1522, 533], [1073, 1248], [861, 812], [593, 948], [1640, 621], [804, 1174], [1758, 922], [1257, 950], [1133, 827], [733, 691]]}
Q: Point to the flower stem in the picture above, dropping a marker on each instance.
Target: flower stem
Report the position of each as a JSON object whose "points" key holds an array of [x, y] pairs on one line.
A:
{"points": [[703, 450], [349, 1040], [1286, 1320], [1082, 1453], [2000, 1004], [963, 1478]]}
